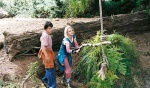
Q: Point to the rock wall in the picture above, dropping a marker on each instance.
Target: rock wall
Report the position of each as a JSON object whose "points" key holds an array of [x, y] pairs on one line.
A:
{"points": [[125, 23]]}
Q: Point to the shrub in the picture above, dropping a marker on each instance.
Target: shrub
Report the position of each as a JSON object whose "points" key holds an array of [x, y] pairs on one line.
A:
{"points": [[77, 8], [34, 8], [89, 8], [1, 3]]}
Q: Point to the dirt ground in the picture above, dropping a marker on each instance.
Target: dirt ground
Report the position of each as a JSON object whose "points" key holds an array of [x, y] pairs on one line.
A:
{"points": [[17, 70], [19, 65], [142, 41]]}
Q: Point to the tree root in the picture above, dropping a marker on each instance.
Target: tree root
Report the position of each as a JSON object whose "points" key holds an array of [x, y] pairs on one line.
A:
{"points": [[25, 53], [25, 79]]}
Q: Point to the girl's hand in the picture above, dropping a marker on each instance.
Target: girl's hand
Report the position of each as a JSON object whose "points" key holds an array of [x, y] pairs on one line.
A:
{"points": [[62, 64], [75, 51], [78, 50]]}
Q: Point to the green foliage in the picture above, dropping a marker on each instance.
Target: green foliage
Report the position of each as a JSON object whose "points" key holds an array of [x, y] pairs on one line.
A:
{"points": [[142, 5], [124, 6], [125, 44], [2, 4], [72, 8], [88, 8], [107, 83], [90, 59], [114, 7], [1, 83], [121, 55], [20, 8], [33, 68], [41, 9], [115, 59], [60, 9], [8, 85], [48, 9], [35, 8], [77, 8]]}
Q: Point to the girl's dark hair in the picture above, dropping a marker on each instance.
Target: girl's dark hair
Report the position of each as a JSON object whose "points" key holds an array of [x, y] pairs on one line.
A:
{"points": [[48, 24]]}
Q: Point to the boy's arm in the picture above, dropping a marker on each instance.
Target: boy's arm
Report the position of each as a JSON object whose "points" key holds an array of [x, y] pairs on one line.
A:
{"points": [[44, 45], [45, 53]]}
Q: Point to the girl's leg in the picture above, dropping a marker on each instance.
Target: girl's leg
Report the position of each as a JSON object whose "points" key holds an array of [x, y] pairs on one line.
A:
{"points": [[67, 72]]}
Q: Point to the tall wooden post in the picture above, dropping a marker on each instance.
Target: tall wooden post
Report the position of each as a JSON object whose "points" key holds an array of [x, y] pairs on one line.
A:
{"points": [[101, 17]]}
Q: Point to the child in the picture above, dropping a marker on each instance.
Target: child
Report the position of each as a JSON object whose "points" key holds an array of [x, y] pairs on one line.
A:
{"points": [[47, 55], [64, 55]]}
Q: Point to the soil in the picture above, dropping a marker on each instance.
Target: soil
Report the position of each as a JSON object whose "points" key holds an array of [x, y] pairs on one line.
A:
{"points": [[19, 65], [142, 41]]}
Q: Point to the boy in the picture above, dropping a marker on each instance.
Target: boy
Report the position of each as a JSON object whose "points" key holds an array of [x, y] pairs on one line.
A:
{"points": [[47, 55]]}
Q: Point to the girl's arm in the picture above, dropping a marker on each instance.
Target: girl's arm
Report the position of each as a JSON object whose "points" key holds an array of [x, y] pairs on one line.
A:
{"points": [[68, 48], [66, 43], [76, 44]]}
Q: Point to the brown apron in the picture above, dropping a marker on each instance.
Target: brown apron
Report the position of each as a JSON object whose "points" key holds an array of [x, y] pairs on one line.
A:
{"points": [[51, 56]]}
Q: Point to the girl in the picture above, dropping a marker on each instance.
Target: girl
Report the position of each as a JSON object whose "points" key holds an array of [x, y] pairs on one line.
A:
{"points": [[64, 55]]}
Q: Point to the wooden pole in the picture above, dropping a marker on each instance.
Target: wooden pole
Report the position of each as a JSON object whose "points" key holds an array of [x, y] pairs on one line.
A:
{"points": [[102, 71], [101, 17]]}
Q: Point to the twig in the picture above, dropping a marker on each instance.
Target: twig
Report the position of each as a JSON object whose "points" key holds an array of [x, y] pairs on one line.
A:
{"points": [[27, 77], [97, 44], [26, 54]]}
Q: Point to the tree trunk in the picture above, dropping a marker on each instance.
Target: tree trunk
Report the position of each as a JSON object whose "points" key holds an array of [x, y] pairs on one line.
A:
{"points": [[125, 23]]}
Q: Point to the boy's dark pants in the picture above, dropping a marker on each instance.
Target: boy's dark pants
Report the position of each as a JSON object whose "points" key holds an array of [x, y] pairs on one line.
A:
{"points": [[50, 77]]}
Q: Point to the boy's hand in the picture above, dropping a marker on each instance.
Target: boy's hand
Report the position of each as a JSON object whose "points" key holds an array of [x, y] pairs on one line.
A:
{"points": [[47, 59]]}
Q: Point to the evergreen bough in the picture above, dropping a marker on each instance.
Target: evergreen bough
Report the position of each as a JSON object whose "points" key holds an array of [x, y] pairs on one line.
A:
{"points": [[121, 55]]}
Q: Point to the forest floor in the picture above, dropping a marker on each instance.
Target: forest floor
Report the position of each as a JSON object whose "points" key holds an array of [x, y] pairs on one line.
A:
{"points": [[142, 41], [19, 65]]}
